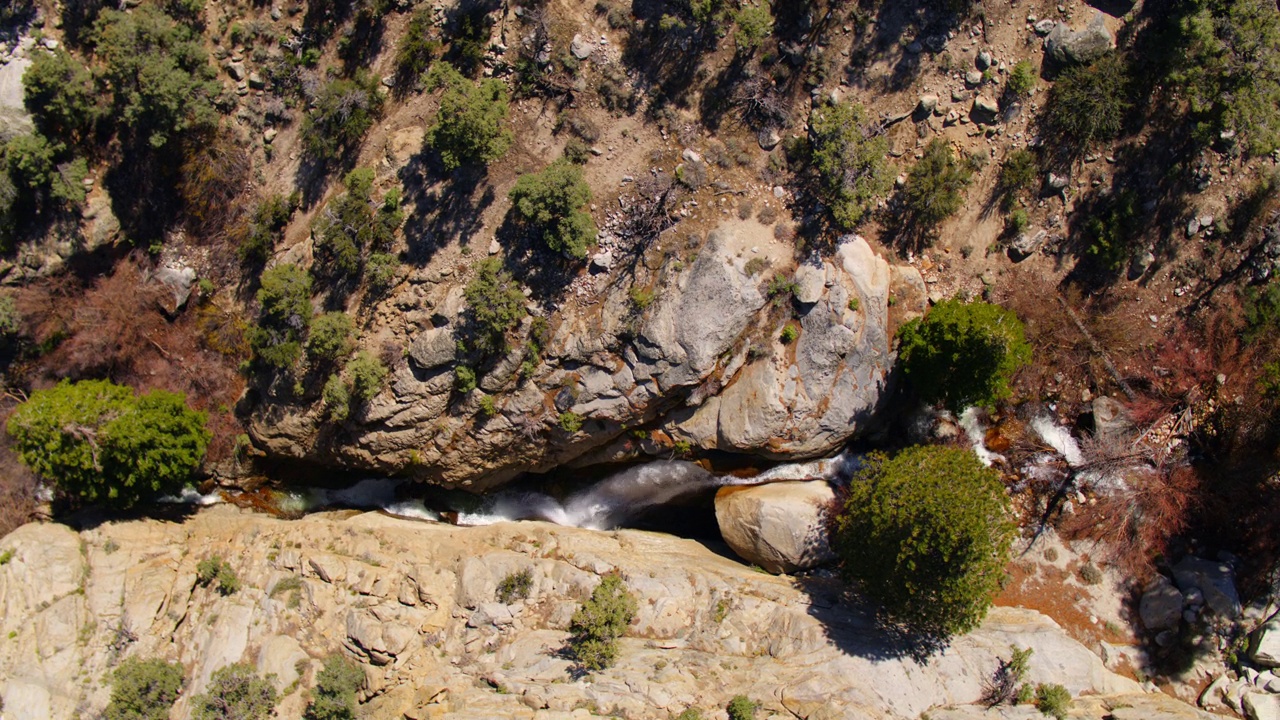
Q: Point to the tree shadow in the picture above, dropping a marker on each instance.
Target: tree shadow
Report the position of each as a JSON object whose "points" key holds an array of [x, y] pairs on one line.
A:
{"points": [[362, 42], [143, 186], [545, 272], [442, 206], [467, 29], [667, 62], [904, 35], [852, 625]]}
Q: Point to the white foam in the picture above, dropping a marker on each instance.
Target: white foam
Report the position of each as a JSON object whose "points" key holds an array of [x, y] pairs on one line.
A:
{"points": [[977, 432], [1058, 438], [190, 496]]}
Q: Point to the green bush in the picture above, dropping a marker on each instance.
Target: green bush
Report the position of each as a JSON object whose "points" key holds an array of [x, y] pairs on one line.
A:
{"points": [[553, 202], [157, 72], [754, 22], [381, 271], [1022, 80], [464, 379], [1019, 175], [285, 299], [1087, 105], [416, 49], [269, 220], [742, 707], [10, 318], [367, 375], [1113, 229], [496, 302], [962, 354], [1261, 311], [59, 93], [471, 126], [596, 625], [143, 690], [1016, 222], [1006, 685], [1228, 68], [935, 185], [353, 224], [215, 568], [850, 162], [515, 586], [336, 686], [235, 692], [789, 334], [343, 111], [337, 397], [44, 171], [926, 535], [98, 442], [690, 714], [1053, 700], [488, 406], [570, 422], [332, 337]]}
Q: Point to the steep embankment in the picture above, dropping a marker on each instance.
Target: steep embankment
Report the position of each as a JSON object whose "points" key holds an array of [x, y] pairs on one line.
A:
{"points": [[416, 604]]}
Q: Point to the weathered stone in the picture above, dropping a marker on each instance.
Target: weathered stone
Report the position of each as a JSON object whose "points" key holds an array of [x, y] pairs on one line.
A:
{"points": [[926, 104], [1080, 47], [768, 138], [1027, 244], [1261, 706], [973, 78], [985, 110], [1111, 420], [434, 348], [780, 526], [580, 47], [810, 283], [280, 656], [1214, 579], [1161, 606], [1264, 645]]}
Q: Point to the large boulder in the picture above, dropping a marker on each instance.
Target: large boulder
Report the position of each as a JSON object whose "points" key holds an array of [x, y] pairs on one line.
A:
{"points": [[1214, 579], [780, 527], [1080, 47], [1264, 646], [1161, 606]]}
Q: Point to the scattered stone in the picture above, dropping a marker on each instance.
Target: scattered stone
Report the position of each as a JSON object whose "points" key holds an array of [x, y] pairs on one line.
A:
{"points": [[1141, 263], [1261, 706], [602, 261], [179, 279], [1044, 27], [580, 47], [927, 104], [269, 134], [985, 110], [256, 81], [495, 247], [1111, 422], [810, 283], [779, 192], [1057, 182], [1193, 227], [973, 78], [768, 139], [691, 155], [1027, 244], [915, 47], [434, 348], [983, 61], [236, 71]]}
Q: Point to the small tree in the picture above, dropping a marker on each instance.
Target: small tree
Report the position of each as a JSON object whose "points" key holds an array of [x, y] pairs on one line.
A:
{"points": [[849, 159], [269, 220], [935, 186], [285, 298], [554, 202], [962, 354], [599, 622], [742, 707], [1018, 176], [416, 49], [1053, 700], [1022, 80], [496, 302], [97, 442], [353, 224], [58, 92], [754, 22], [926, 534], [343, 111], [367, 375], [335, 694], [332, 336], [1087, 105], [337, 397], [471, 126], [143, 690], [236, 692]]}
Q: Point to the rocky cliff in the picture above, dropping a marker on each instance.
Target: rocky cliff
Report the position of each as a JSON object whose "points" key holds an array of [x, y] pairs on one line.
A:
{"points": [[702, 364], [415, 603]]}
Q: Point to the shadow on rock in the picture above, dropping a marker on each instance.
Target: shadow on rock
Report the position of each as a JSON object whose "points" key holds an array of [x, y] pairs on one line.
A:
{"points": [[853, 626]]}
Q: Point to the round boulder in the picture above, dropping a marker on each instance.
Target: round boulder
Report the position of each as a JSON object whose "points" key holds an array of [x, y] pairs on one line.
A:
{"points": [[780, 526]]}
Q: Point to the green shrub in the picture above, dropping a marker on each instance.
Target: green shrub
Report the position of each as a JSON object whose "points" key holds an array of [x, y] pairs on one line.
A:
{"points": [[381, 271], [98, 442], [1019, 175], [215, 568], [471, 125], [336, 686], [235, 692], [1006, 685], [854, 304], [789, 334], [1087, 105], [755, 266], [1113, 229], [488, 406], [416, 49], [42, 171], [577, 152], [337, 397], [285, 299], [515, 586], [1261, 311], [10, 318], [1053, 700], [690, 714], [367, 375], [926, 534], [754, 22], [742, 707], [496, 302], [1016, 222], [353, 224], [1227, 66], [641, 298], [935, 185], [570, 422], [850, 162], [343, 111], [143, 690], [59, 93], [1022, 80], [596, 625], [781, 289], [553, 202], [157, 72], [332, 337], [1090, 574], [962, 354], [269, 220], [464, 379]]}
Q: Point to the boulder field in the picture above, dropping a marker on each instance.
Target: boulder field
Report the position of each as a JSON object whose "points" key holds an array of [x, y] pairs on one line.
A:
{"points": [[416, 604]]}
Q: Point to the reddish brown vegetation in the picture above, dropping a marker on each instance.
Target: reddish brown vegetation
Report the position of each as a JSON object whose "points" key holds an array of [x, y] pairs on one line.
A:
{"points": [[17, 483]]}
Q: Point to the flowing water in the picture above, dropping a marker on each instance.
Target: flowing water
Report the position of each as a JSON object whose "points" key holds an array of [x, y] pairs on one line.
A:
{"points": [[1058, 438]]}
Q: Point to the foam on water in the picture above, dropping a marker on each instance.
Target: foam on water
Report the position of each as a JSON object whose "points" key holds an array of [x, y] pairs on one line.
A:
{"points": [[972, 425], [190, 496], [1058, 438]]}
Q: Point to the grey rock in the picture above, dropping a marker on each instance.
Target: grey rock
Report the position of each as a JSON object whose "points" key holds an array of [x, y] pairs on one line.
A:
{"points": [[927, 104], [1264, 644], [691, 155], [1261, 706], [236, 71], [1214, 579], [983, 60], [434, 348], [1056, 181], [1193, 227], [1082, 46], [1044, 27], [580, 47], [1161, 606], [1111, 422], [179, 279], [256, 81], [973, 78], [810, 283], [780, 527], [1140, 264], [768, 138], [1028, 243], [985, 110], [602, 261]]}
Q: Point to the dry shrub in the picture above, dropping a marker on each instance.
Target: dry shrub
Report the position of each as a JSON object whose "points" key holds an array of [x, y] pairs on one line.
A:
{"points": [[1136, 525], [17, 483], [215, 178]]}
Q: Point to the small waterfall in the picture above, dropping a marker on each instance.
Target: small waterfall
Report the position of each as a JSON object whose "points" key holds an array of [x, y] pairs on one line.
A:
{"points": [[972, 425], [1058, 438], [190, 496]]}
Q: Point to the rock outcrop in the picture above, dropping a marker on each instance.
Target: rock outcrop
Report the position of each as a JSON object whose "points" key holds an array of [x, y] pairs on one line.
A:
{"points": [[780, 527], [702, 362], [416, 604], [1079, 47]]}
